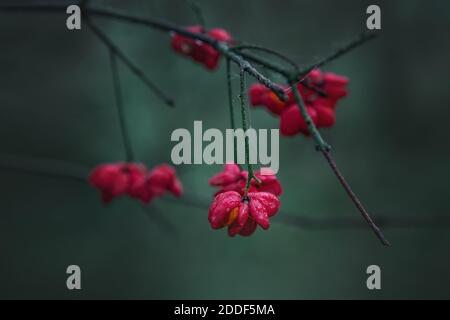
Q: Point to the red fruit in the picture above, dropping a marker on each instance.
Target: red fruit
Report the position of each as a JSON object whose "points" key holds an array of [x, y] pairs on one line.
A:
{"points": [[233, 179], [292, 122], [319, 107], [335, 86], [273, 103], [315, 77], [199, 51], [117, 179], [224, 209], [249, 228], [326, 117], [211, 57], [163, 178], [230, 174], [257, 93], [137, 180], [261, 95], [262, 206], [240, 221], [185, 45], [268, 183], [220, 34], [324, 102], [241, 216]]}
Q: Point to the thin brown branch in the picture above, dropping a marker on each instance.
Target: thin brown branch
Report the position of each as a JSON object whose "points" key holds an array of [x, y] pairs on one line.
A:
{"points": [[281, 56], [325, 149], [124, 131], [354, 198]]}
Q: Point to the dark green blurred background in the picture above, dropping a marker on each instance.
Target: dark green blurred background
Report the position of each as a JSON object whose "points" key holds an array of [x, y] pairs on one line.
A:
{"points": [[391, 141]]}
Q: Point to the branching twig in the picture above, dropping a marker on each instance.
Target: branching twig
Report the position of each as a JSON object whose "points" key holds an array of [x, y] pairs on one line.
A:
{"points": [[230, 106], [322, 145], [133, 68], [358, 41], [287, 73], [120, 110], [283, 57], [325, 149], [354, 198], [161, 25], [242, 60]]}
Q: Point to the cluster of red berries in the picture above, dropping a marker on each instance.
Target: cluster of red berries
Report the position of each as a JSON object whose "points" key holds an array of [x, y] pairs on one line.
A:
{"points": [[242, 214], [232, 178], [135, 180], [320, 107], [233, 206], [198, 50]]}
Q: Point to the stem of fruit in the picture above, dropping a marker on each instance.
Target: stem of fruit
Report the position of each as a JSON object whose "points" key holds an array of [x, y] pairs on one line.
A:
{"points": [[120, 109], [231, 109], [244, 127]]}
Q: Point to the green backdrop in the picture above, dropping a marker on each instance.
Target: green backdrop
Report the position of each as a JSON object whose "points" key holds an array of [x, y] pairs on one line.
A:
{"points": [[390, 140]]}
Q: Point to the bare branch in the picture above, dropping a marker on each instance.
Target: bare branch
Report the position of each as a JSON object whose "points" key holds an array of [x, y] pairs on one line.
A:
{"points": [[283, 57], [354, 198], [120, 110], [161, 25], [353, 44], [133, 68], [325, 149]]}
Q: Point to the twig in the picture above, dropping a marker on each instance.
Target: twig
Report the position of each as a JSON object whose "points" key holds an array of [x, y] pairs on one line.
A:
{"points": [[161, 25], [120, 110], [287, 73], [133, 68], [299, 76], [230, 106], [283, 57], [358, 41], [354, 198], [325, 149], [70, 171], [198, 12], [322, 145], [242, 95]]}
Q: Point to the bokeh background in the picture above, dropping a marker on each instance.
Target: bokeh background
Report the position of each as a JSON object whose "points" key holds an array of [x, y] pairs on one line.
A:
{"points": [[390, 140]]}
